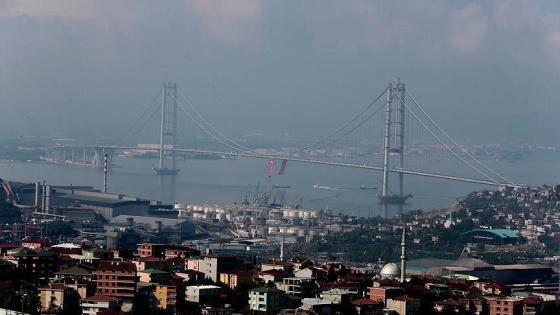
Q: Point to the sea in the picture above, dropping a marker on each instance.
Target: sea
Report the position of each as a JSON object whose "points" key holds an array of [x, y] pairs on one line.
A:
{"points": [[311, 186]]}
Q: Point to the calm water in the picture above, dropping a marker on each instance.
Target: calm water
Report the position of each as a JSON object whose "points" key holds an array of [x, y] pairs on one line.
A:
{"points": [[229, 181]]}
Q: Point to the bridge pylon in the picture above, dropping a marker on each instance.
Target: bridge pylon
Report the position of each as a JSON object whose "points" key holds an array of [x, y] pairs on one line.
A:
{"points": [[99, 156], [393, 143], [168, 129]]}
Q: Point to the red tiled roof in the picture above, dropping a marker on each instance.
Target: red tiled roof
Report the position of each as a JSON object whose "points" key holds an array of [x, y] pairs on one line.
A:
{"points": [[359, 302], [176, 260], [192, 272], [10, 245], [101, 298], [449, 302], [54, 286], [149, 259], [117, 265], [531, 301]]}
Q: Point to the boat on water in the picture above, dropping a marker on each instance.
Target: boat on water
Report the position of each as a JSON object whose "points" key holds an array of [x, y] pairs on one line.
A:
{"points": [[393, 199], [366, 187], [282, 186]]}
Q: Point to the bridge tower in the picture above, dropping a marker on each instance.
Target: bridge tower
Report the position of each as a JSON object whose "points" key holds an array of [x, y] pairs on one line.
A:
{"points": [[394, 141], [168, 129]]}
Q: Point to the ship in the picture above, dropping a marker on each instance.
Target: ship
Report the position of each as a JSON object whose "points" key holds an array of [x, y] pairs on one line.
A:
{"points": [[282, 186], [393, 199], [367, 187]]}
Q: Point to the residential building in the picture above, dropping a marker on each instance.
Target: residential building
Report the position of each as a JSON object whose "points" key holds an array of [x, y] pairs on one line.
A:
{"points": [[234, 278], [116, 278], [168, 294], [267, 299], [405, 305], [154, 276], [204, 294], [301, 287], [505, 306], [94, 304], [52, 297], [151, 250]]}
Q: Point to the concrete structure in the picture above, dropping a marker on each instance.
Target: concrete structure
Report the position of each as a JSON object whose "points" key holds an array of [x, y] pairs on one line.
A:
{"points": [[108, 205], [492, 237], [52, 297], [151, 250], [116, 278], [300, 287], [93, 304], [505, 306], [154, 276], [267, 299], [204, 294], [317, 306], [405, 305], [212, 265], [390, 271], [168, 295], [148, 262], [233, 278]]}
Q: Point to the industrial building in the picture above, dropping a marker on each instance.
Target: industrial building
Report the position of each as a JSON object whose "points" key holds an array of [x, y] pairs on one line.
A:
{"points": [[492, 237]]}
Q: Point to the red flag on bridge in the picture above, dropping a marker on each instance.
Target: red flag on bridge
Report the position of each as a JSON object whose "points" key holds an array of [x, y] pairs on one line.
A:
{"points": [[283, 167], [270, 167]]}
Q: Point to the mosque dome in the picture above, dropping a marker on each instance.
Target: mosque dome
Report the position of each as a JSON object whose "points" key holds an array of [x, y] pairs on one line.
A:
{"points": [[390, 270]]}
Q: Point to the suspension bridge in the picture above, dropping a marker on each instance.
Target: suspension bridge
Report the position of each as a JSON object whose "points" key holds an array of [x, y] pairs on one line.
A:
{"points": [[393, 135]]}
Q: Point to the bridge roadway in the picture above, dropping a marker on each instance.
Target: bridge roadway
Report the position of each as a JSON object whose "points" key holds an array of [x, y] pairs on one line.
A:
{"points": [[363, 166]]}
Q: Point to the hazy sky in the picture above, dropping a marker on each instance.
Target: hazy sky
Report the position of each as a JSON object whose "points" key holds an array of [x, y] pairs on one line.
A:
{"points": [[297, 68]]}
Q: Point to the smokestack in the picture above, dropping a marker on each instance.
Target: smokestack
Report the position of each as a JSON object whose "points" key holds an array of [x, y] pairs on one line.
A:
{"points": [[129, 222], [37, 186], [48, 200], [403, 253], [43, 196], [105, 173], [282, 250], [158, 226]]}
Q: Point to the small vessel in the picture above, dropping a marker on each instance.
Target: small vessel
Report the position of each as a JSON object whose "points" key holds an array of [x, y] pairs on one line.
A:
{"points": [[366, 187], [393, 199], [282, 186]]}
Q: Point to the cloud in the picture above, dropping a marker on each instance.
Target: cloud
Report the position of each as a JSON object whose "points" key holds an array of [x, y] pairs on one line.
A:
{"points": [[228, 20], [468, 29], [44, 10]]}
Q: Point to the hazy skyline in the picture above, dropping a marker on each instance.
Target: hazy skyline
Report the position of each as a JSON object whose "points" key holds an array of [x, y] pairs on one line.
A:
{"points": [[299, 69]]}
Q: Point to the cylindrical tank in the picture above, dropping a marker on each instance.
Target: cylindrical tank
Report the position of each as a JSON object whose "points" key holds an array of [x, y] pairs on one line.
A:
{"points": [[179, 206]]}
